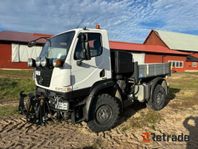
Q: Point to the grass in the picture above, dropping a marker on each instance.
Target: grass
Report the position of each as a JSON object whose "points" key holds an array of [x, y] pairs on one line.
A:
{"points": [[14, 81], [184, 88], [16, 73], [11, 83], [7, 110], [196, 73], [184, 81], [183, 91], [147, 118]]}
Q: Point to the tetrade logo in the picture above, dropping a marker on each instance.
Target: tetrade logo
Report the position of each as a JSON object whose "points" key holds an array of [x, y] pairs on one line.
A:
{"points": [[149, 137]]}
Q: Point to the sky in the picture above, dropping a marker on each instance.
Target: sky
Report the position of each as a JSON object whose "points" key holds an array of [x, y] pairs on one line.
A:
{"points": [[125, 20]]}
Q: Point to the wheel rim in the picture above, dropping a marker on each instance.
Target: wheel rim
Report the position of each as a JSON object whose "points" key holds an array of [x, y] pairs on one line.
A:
{"points": [[103, 114], [159, 98]]}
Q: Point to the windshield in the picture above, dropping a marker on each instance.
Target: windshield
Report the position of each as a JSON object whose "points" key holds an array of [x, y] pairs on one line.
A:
{"points": [[58, 46]]}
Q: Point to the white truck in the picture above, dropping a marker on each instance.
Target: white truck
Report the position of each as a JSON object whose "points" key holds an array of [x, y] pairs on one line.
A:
{"points": [[78, 77]]}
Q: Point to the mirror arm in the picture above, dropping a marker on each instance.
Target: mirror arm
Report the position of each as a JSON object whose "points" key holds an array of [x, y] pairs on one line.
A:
{"points": [[79, 62], [33, 42]]}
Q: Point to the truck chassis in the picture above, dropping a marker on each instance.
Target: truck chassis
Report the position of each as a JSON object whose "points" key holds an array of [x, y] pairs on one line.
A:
{"points": [[79, 77]]}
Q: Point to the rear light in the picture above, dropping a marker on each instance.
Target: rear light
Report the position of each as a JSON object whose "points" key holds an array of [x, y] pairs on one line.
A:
{"points": [[31, 62], [57, 63]]}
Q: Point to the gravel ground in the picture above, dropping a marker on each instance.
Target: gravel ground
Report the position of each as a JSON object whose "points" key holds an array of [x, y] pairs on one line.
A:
{"points": [[15, 132]]}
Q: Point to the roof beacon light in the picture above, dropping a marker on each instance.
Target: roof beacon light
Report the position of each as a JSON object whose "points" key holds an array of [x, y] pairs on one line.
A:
{"points": [[97, 26]]}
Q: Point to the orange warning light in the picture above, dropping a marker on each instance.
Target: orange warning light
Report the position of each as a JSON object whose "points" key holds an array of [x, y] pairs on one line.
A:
{"points": [[97, 26]]}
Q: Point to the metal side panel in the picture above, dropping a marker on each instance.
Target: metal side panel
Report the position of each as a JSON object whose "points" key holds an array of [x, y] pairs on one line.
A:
{"points": [[142, 71], [151, 70]]}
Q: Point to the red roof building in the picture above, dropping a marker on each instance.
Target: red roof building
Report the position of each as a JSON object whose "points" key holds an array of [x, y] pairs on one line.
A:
{"points": [[177, 42], [21, 37], [153, 53], [14, 51]]}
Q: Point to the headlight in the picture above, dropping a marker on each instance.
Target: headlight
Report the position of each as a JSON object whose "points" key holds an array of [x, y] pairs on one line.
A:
{"points": [[57, 62], [43, 62], [38, 61], [31, 62]]}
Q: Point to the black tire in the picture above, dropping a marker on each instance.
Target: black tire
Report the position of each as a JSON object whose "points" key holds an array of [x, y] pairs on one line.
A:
{"points": [[158, 100], [104, 113]]}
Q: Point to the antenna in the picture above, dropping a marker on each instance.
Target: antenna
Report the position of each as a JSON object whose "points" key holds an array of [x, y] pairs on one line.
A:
{"points": [[92, 19], [81, 22]]}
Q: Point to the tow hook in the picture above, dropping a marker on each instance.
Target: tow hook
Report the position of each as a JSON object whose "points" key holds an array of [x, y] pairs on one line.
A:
{"points": [[36, 109]]}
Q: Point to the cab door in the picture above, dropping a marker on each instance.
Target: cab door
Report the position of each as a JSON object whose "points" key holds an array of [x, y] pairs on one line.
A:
{"points": [[85, 73]]}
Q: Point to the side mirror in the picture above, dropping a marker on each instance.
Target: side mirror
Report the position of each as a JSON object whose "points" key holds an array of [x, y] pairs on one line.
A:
{"points": [[85, 45]]}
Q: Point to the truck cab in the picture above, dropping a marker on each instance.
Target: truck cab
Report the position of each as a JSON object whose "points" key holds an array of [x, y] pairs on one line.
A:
{"points": [[76, 71], [78, 77]]}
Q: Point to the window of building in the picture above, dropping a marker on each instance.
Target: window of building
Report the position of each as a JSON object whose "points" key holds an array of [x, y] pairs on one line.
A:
{"points": [[172, 64], [177, 64], [194, 64], [180, 64]]}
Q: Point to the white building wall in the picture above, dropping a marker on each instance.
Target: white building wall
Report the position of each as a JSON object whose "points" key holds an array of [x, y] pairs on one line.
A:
{"points": [[139, 57]]}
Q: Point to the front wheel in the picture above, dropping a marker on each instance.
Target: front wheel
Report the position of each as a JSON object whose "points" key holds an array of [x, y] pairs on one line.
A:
{"points": [[104, 113]]}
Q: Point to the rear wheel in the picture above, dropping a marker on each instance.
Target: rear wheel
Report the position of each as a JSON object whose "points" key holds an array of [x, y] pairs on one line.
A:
{"points": [[159, 98], [104, 113]]}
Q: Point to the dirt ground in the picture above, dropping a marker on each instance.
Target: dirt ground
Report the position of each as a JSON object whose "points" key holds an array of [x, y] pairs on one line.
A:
{"points": [[15, 132]]}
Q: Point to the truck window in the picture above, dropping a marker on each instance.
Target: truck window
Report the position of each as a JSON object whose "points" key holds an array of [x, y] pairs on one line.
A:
{"points": [[95, 47], [58, 46]]}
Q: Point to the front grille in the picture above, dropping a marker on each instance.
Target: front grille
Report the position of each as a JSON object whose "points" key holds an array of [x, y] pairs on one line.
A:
{"points": [[45, 76]]}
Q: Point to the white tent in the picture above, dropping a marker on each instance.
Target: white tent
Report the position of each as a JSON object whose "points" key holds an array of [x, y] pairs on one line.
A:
{"points": [[21, 53]]}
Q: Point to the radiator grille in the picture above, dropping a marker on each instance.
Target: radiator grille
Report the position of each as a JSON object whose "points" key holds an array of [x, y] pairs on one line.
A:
{"points": [[45, 76]]}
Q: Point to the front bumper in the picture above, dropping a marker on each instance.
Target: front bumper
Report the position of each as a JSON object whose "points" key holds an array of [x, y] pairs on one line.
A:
{"points": [[57, 101]]}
